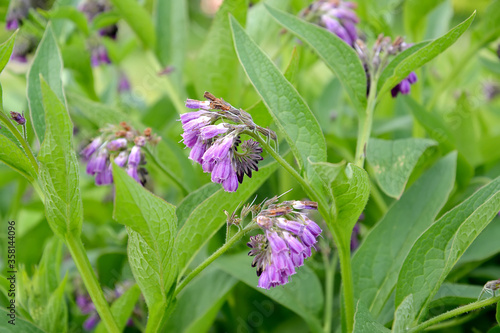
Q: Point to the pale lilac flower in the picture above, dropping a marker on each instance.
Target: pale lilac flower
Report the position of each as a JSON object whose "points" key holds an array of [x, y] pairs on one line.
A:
{"points": [[117, 144], [121, 144], [12, 24], [284, 246], [217, 146]]}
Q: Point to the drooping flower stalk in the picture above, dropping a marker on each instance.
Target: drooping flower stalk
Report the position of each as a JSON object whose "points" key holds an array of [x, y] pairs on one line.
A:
{"points": [[121, 144], [214, 135], [339, 17], [289, 235]]}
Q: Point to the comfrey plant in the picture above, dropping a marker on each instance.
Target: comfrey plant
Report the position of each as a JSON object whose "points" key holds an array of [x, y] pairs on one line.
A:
{"points": [[214, 136], [423, 178], [121, 144]]}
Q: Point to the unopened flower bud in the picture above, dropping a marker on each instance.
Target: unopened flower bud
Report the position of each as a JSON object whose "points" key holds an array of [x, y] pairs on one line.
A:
{"points": [[18, 117]]}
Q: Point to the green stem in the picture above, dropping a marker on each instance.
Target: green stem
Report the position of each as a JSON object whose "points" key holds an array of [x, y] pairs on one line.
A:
{"points": [[454, 313], [347, 284], [89, 278], [169, 173], [291, 170], [344, 251], [20, 138], [365, 125], [214, 256], [329, 284]]}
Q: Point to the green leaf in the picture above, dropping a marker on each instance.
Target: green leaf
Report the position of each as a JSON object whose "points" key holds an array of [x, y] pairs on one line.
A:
{"points": [[484, 247], [49, 269], [122, 308], [59, 169], [6, 51], [421, 57], [415, 13], [364, 323], [393, 162], [171, 25], [21, 325], [99, 114], [338, 55], [151, 225], [453, 294], [188, 318], [55, 315], [138, 19], [208, 216], [392, 238], [327, 172], [217, 60], [303, 294], [195, 198], [404, 315], [351, 191], [14, 157], [438, 249], [289, 110], [73, 14], [47, 63]]}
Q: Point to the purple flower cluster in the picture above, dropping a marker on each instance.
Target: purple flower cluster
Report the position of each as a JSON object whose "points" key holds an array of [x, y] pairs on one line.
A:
{"points": [[403, 87], [123, 145], [88, 308], [288, 239], [339, 17], [336, 16], [215, 146], [92, 8]]}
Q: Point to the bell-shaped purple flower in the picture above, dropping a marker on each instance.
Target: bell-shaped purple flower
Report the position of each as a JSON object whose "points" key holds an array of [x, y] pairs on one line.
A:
{"points": [[121, 159], [210, 131], [117, 144], [194, 104], [91, 148], [276, 242], [230, 184], [91, 322], [105, 177], [132, 172], [197, 151], [135, 156]]}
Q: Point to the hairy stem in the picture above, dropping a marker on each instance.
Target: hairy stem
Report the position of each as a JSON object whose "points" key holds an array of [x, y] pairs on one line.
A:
{"points": [[365, 125], [329, 284], [322, 205], [89, 278], [214, 256], [454, 313]]}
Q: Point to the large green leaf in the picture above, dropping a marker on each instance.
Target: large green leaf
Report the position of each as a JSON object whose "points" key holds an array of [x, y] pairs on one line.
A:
{"points": [[171, 25], [199, 318], [208, 216], [59, 169], [122, 308], [217, 60], [404, 315], [364, 323], [138, 19], [6, 51], [195, 198], [378, 260], [14, 157], [303, 295], [393, 161], [351, 190], [55, 314], [47, 63], [394, 75], [289, 110], [453, 294], [340, 57], [151, 225], [21, 325], [438, 249]]}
